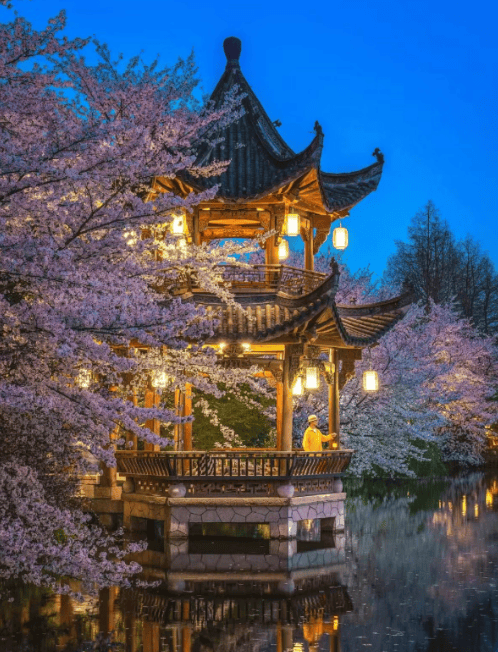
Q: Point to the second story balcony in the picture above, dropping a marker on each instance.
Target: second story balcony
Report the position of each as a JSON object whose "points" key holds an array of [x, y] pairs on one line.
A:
{"points": [[253, 280]]}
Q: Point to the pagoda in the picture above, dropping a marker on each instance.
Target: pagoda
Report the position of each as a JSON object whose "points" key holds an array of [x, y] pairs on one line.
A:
{"points": [[286, 322]]}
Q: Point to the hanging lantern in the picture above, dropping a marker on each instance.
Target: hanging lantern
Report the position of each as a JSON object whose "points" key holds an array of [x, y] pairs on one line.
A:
{"points": [[370, 381], [297, 387], [293, 224], [340, 238], [178, 224], [159, 380], [312, 379], [84, 378], [131, 237], [283, 249]]}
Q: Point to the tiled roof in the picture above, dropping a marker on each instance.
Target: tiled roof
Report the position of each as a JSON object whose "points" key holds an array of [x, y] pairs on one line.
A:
{"points": [[261, 161], [333, 325]]}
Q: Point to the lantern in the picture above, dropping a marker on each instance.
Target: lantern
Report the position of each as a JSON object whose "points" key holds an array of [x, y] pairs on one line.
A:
{"points": [[222, 346], [283, 249], [246, 346], [178, 224], [293, 224], [297, 387], [370, 381], [131, 237], [159, 380], [312, 380], [340, 238], [84, 378]]}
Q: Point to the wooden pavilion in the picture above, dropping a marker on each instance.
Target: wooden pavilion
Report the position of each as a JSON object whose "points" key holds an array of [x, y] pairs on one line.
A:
{"points": [[287, 322]]}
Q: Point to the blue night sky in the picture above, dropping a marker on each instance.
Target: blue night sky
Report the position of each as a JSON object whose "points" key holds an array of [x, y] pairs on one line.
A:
{"points": [[417, 79]]}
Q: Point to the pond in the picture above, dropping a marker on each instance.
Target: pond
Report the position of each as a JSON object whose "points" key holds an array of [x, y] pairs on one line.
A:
{"points": [[416, 570]]}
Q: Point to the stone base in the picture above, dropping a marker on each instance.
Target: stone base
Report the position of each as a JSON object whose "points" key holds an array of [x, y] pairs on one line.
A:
{"points": [[282, 514], [114, 493]]}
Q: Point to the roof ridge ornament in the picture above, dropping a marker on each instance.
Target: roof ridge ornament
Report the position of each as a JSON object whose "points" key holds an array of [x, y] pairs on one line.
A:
{"points": [[378, 155], [232, 47]]}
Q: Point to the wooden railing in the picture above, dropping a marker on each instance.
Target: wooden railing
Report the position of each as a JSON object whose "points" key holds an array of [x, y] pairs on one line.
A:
{"points": [[228, 471], [278, 278]]}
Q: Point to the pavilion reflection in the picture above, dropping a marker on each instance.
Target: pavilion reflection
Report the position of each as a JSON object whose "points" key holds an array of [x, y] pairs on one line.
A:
{"points": [[281, 595], [279, 598]]}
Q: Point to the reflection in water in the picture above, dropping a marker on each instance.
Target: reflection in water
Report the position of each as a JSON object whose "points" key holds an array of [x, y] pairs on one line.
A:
{"points": [[416, 571]]}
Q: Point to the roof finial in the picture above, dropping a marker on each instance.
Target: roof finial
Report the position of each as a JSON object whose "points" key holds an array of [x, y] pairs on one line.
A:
{"points": [[378, 155], [232, 46]]}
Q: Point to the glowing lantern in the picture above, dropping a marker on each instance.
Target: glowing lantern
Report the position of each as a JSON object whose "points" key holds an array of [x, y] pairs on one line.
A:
{"points": [[246, 346], [222, 346], [159, 380], [131, 237], [178, 224], [312, 380], [370, 381], [297, 387], [340, 238], [293, 224], [283, 249], [84, 378]]}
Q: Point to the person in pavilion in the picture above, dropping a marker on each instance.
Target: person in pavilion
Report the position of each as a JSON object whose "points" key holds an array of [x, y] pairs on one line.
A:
{"points": [[313, 438]]}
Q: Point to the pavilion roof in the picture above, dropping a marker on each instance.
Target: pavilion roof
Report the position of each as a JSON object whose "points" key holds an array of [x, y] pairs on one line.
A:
{"points": [[280, 318], [263, 165]]}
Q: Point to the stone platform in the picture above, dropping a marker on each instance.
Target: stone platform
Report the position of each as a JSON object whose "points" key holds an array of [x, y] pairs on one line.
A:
{"points": [[282, 514]]}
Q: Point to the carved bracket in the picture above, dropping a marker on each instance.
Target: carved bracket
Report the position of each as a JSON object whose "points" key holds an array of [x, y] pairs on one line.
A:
{"points": [[321, 235]]}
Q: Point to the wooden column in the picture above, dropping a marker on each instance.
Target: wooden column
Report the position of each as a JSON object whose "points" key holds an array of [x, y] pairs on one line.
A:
{"points": [[286, 440], [130, 437], [187, 411], [334, 414], [107, 599], [178, 428], [196, 235], [151, 636], [186, 639], [280, 405], [309, 259], [152, 400], [109, 474]]}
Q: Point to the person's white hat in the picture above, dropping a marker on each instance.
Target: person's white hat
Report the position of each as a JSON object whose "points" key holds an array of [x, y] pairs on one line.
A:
{"points": [[312, 417]]}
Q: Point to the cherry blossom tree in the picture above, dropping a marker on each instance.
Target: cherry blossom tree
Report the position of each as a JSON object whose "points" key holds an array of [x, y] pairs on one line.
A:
{"points": [[437, 377], [87, 262]]}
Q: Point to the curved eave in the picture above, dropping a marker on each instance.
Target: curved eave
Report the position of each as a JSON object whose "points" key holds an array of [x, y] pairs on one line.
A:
{"points": [[360, 326], [266, 320], [341, 192], [283, 171]]}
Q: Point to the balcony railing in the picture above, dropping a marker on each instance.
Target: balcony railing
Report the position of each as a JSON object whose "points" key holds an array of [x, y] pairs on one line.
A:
{"points": [[257, 472], [292, 281]]}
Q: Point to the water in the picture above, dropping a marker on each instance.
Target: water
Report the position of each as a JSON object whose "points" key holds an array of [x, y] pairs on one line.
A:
{"points": [[415, 571]]}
